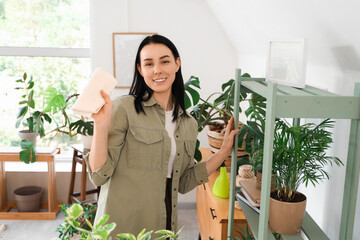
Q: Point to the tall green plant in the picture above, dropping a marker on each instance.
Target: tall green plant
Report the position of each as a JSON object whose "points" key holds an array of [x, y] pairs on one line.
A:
{"points": [[31, 117], [300, 155]]}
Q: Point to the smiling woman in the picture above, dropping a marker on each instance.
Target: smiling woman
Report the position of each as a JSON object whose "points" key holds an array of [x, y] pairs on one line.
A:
{"points": [[143, 146], [158, 68]]}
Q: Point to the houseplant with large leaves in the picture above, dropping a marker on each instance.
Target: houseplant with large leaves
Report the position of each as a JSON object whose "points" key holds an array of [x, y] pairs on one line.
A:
{"points": [[214, 111]]}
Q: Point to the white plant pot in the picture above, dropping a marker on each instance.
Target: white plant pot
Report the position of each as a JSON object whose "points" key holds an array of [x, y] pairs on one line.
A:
{"points": [[86, 141], [27, 135]]}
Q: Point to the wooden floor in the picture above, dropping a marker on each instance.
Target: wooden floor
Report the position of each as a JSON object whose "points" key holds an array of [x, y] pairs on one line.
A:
{"points": [[46, 229]]}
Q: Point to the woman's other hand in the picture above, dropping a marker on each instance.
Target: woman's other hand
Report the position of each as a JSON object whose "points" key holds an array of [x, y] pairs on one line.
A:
{"points": [[103, 117], [228, 142]]}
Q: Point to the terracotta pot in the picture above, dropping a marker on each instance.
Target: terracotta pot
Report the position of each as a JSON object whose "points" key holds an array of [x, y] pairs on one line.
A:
{"points": [[28, 198], [28, 135], [286, 217]]}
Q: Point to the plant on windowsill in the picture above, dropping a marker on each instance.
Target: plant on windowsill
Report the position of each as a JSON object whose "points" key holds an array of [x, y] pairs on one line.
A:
{"points": [[33, 119], [299, 157]]}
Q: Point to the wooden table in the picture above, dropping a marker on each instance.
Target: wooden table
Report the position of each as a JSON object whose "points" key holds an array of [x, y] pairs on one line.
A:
{"points": [[212, 211], [11, 154]]}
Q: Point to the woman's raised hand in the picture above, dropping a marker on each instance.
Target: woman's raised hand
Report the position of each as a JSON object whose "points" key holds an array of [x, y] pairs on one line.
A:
{"points": [[229, 137], [103, 117]]}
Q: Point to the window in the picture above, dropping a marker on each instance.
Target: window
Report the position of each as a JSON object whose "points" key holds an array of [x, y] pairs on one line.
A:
{"points": [[50, 40]]}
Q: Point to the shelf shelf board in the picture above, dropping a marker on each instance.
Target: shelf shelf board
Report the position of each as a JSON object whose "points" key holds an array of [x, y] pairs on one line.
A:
{"points": [[309, 226]]}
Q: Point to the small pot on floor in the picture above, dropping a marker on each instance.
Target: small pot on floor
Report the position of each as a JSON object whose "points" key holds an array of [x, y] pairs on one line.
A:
{"points": [[28, 198]]}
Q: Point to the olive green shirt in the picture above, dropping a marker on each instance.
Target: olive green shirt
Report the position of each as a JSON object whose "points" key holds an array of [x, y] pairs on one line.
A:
{"points": [[133, 179]]}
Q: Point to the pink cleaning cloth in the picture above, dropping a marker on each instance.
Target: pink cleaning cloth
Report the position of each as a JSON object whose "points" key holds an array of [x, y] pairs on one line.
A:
{"points": [[90, 100]]}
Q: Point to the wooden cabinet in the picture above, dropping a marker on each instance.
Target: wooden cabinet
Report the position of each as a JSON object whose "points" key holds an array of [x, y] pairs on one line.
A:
{"points": [[213, 212]]}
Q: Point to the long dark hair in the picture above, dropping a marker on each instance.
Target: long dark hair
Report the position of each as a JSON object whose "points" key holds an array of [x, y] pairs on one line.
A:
{"points": [[142, 92]]}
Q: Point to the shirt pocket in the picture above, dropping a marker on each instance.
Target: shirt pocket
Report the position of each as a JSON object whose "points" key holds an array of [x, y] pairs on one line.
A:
{"points": [[190, 148], [189, 154], [145, 149]]}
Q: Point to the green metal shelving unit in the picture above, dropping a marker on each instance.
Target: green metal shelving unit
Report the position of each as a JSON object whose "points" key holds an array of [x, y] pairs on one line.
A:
{"points": [[288, 102]]}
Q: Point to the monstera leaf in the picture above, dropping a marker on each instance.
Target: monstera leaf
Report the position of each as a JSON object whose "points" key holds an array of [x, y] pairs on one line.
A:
{"points": [[190, 89]]}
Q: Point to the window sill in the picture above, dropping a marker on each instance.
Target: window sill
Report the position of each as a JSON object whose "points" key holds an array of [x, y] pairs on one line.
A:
{"points": [[63, 163]]}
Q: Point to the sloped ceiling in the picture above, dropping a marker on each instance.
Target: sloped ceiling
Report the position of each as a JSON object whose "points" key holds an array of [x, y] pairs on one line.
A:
{"points": [[328, 26]]}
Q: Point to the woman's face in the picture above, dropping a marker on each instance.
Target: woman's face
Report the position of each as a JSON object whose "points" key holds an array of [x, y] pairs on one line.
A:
{"points": [[158, 67]]}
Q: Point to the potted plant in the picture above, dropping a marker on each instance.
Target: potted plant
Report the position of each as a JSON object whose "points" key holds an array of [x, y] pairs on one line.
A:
{"points": [[73, 126], [75, 219], [215, 111], [299, 157], [86, 129], [33, 119]]}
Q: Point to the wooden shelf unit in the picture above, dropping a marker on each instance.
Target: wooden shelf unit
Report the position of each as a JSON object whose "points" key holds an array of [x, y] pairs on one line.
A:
{"points": [[11, 154], [310, 102]]}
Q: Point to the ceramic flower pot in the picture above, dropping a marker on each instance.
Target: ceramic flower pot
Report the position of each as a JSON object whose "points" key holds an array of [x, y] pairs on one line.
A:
{"points": [[286, 217], [86, 141], [28, 135], [28, 198]]}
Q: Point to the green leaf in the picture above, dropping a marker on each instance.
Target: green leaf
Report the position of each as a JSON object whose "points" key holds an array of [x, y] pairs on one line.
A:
{"points": [[190, 89], [22, 111], [102, 221], [141, 233], [31, 84], [75, 211], [28, 153], [126, 236], [83, 127], [32, 103], [167, 232], [53, 101], [110, 227], [18, 121], [24, 76], [146, 236]]}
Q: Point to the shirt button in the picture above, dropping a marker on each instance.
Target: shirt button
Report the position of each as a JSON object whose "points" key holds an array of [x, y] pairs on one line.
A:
{"points": [[174, 189], [105, 175], [178, 154], [174, 205], [177, 136], [176, 171]]}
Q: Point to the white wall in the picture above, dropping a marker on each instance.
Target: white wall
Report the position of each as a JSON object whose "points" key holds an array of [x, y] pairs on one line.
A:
{"points": [[203, 46], [332, 29]]}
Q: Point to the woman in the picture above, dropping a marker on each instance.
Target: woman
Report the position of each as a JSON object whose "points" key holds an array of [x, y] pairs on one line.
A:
{"points": [[144, 143]]}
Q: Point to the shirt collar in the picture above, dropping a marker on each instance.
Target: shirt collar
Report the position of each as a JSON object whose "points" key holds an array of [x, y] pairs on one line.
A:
{"points": [[152, 101]]}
